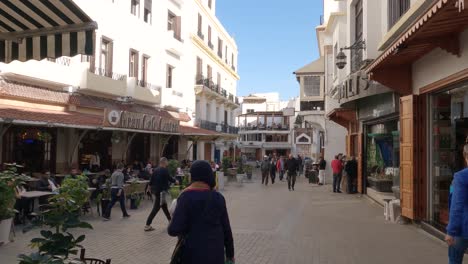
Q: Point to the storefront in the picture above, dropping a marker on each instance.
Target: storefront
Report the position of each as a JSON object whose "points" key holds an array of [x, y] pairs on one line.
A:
{"points": [[95, 151], [432, 78], [448, 117], [32, 147]]}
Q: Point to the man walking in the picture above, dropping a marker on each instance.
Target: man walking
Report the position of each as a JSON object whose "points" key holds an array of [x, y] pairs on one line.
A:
{"points": [[265, 168], [159, 184], [322, 167], [280, 167], [300, 163], [273, 170], [457, 229], [337, 167], [117, 193], [291, 169], [351, 171]]}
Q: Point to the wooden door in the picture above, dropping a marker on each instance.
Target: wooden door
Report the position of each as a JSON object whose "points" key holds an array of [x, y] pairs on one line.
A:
{"points": [[408, 163], [208, 151], [360, 163]]}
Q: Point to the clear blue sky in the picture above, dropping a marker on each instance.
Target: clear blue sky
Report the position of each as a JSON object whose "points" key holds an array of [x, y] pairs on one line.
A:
{"points": [[274, 38]]}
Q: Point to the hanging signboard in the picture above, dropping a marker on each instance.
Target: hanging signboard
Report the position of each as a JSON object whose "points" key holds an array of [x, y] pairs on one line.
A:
{"points": [[140, 121]]}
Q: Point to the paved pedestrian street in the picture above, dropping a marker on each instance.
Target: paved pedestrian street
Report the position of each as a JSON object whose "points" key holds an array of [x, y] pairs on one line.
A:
{"points": [[271, 225]]}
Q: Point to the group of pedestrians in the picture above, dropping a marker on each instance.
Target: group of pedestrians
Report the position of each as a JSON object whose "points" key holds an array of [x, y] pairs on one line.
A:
{"points": [[344, 170], [291, 166]]}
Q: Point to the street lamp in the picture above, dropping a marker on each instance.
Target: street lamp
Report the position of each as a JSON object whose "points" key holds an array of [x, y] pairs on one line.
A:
{"points": [[341, 60], [341, 56]]}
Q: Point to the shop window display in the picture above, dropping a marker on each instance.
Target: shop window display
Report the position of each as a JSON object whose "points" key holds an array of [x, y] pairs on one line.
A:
{"points": [[383, 159], [449, 117]]}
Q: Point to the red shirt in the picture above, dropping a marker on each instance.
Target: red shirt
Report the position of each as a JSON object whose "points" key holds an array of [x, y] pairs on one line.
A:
{"points": [[337, 166]]}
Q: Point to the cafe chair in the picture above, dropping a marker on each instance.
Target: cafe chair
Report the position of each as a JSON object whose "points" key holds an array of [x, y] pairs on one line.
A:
{"points": [[92, 260]]}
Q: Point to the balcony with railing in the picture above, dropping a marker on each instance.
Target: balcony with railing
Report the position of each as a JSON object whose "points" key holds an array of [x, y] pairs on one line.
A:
{"points": [[264, 121], [200, 35], [218, 127], [207, 87], [144, 91]]}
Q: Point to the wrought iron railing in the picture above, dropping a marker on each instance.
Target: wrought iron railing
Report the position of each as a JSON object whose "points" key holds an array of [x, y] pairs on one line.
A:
{"points": [[210, 45], [200, 34], [356, 59], [148, 85], [109, 74], [233, 68], [274, 127], [213, 126]]}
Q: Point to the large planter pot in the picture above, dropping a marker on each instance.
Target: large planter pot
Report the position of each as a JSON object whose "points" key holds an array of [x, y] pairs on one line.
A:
{"points": [[220, 180], [380, 185], [5, 228], [240, 178]]}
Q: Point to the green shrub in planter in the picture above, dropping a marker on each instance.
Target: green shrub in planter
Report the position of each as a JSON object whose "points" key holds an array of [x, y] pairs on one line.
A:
{"points": [[56, 244], [172, 167], [174, 192], [226, 164], [8, 182]]}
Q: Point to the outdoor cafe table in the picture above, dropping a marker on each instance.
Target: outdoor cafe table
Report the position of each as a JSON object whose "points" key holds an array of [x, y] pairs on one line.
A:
{"points": [[33, 195], [139, 181]]}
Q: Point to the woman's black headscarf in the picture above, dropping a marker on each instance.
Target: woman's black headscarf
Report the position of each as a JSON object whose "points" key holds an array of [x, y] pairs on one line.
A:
{"points": [[201, 171]]}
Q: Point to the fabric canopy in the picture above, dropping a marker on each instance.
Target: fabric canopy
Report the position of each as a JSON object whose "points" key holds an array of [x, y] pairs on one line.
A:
{"points": [[44, 29]]}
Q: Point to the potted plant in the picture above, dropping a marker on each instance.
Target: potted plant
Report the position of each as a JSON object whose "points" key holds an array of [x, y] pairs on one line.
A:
{"points": [[240, 172], [172, 167], [8, 181], [248, 170], [56, 243], [135, 198], [105, 196]]}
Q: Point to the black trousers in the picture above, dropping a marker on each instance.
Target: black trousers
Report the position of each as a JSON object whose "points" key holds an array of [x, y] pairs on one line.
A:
{"points": [[156, 206], [350, 185], [273, 176], [265, 177], [114, 199], [291, 179]]}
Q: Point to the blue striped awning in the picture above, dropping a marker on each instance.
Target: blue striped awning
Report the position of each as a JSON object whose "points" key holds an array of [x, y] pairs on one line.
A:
{"points": [[39, 29]]}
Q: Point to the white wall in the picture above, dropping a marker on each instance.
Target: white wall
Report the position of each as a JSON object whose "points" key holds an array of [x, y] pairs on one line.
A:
{"points": [[439, 64]]}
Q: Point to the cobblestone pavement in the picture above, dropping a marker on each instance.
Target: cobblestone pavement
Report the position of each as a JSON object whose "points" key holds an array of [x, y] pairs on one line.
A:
{"points": [[271, 225]]}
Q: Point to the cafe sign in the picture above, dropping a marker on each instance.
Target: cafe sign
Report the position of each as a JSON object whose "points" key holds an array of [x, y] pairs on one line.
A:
{"points": [[140, 121]]}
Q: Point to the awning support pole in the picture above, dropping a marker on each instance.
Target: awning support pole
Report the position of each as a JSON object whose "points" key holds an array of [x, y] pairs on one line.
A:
{"points": [[129, 143], [3, 130], [77, 143]]}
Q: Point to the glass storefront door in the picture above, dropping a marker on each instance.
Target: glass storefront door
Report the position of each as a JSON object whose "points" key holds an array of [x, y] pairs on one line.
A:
{"points": [[448, 133]]}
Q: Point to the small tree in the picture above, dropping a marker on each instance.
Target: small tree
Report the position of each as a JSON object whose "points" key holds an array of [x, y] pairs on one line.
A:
{"points": [[172, 167], [226, 164]]}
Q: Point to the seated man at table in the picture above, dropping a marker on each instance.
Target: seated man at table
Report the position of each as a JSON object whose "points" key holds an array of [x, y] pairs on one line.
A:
{"points": [[22, 205], [47, 184]]}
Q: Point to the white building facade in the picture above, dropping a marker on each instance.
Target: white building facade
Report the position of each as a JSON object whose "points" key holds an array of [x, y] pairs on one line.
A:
{"points": [[145, 63]]}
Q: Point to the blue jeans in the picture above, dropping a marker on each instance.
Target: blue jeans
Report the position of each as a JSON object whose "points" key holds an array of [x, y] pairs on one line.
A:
{"points": [[457, 251], [114, 199]]}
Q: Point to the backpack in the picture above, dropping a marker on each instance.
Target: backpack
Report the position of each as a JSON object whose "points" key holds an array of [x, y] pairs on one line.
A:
{"points": [[265, 165]]}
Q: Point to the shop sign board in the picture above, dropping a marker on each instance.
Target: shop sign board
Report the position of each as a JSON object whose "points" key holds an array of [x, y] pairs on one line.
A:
{"points": [[357, 86], [139, 121]]}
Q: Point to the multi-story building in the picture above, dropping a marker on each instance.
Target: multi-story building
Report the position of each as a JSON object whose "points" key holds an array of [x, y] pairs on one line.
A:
{"points": [[266, 126], [400, 81], [312, 119], [114, 84], [213, 54]]}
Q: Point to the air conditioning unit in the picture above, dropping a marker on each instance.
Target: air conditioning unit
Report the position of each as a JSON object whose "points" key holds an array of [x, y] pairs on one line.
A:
{"points": [[218, 128]]}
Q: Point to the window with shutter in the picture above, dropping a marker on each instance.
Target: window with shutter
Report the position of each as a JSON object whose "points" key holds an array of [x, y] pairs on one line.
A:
{"points": [[200, 26], [133, 64], [199, 69], [134, 7], [147, 12], [220, 48], [169, 76], [396, 9], [311, 85], [105, 62], [209, 38], [144, 69]]}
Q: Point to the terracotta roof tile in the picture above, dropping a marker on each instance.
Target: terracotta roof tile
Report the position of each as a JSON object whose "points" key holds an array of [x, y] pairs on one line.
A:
{"points": [[48, 116], [12, 89], [195, 131], [184, 117]]}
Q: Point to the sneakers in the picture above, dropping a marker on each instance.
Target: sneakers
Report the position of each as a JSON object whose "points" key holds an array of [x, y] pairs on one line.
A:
{"points": [[126, 216], [106, 218], [149, 228]]}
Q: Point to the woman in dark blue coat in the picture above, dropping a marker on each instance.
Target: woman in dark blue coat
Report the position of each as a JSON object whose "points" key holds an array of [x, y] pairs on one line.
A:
{"points": [[201, 217]]}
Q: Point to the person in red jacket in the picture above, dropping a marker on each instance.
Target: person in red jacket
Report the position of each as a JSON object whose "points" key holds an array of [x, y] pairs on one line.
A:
{"points": [[337, 167]]}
